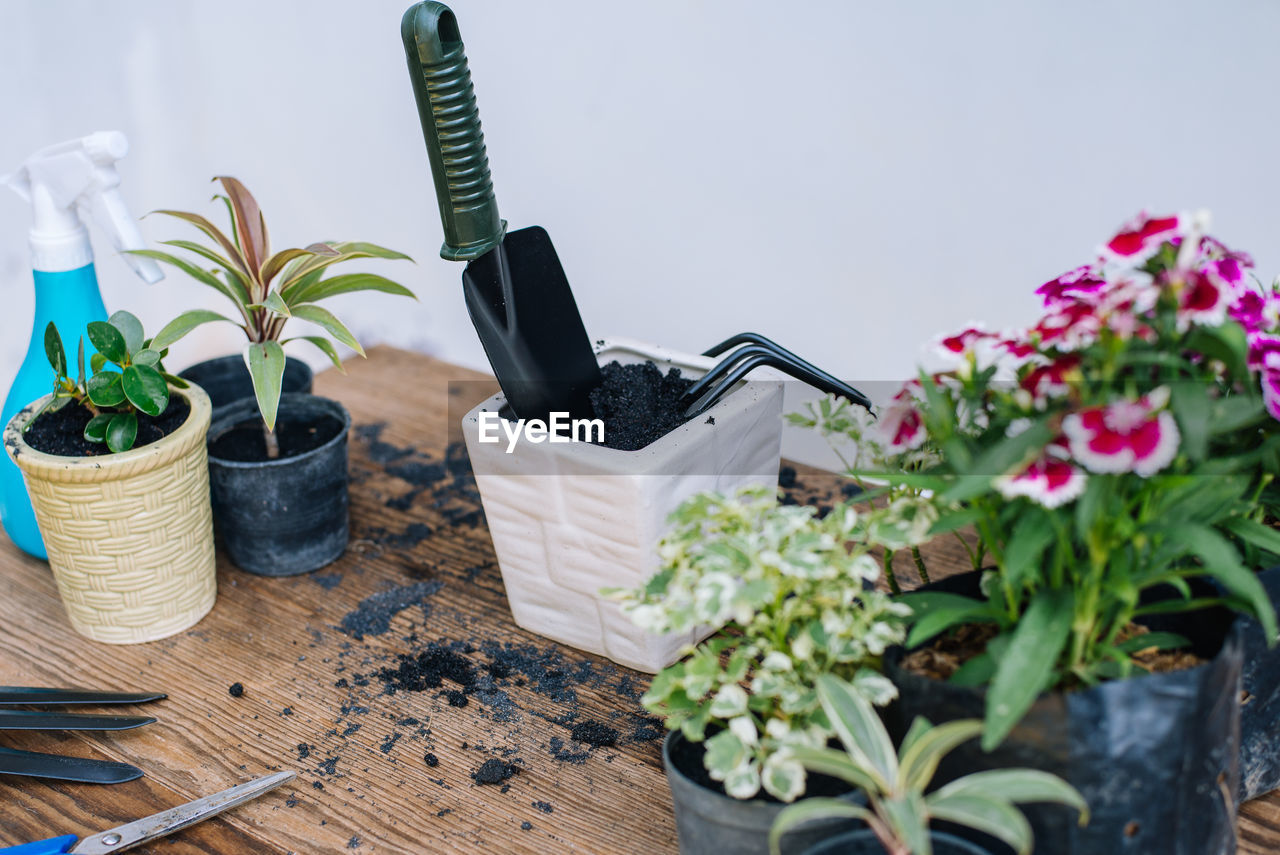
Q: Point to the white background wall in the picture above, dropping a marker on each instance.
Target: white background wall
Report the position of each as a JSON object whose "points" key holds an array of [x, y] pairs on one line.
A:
{"points": [[848, 177]]}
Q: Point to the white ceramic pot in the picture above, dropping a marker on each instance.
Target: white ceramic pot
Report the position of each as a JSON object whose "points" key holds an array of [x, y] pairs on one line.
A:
{"points": [[569, 519]]}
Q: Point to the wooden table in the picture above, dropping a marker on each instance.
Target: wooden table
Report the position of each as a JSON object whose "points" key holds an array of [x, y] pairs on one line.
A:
{"points": [[308, 651]]}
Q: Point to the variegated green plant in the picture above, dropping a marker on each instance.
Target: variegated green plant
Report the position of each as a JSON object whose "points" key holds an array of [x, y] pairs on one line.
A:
{"points": [[268, 289], [788, 596], [898, 810]]}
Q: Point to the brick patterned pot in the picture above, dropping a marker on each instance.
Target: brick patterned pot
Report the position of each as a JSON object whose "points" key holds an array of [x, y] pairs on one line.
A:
{"points": [[569, 519]]}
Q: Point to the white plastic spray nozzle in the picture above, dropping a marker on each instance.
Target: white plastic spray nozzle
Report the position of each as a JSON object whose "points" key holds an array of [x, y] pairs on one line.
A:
{"points": [[60, 181]]}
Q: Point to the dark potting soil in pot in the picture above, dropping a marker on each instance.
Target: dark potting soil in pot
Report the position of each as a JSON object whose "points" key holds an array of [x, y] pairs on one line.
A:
{"points": [[638, 404], [62, 432], [687, 757], [941, 658], [244, 443]]}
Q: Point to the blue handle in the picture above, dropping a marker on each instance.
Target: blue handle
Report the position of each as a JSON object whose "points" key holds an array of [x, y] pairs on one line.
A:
{"points": [[52, 846]]}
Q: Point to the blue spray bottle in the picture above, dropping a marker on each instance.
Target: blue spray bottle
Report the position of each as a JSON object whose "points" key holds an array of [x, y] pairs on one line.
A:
{"points": [[60, 182]]}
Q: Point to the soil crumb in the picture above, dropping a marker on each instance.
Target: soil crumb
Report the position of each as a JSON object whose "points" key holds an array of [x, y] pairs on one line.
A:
{"points": [[374, 614], [594, 734], [495, 772], [235, 690]]}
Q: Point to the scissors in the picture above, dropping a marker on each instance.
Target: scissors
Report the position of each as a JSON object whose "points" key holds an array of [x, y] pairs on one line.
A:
{"points": [[149, 828]]}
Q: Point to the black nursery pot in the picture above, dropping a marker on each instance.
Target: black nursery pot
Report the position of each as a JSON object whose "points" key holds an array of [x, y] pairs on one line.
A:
{"points": [[1155, 756], [865, 843], [708, 822], [1260, 701], [226, 379], [286, 516]]}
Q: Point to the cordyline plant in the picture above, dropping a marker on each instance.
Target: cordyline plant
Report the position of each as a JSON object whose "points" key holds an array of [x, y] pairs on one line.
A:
{"points": [[126, 377], [1126, 452], [898, 811], [268, 289], [788, 597]]}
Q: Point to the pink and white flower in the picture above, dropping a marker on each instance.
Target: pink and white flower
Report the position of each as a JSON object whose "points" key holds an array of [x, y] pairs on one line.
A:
{"points": [[1051, 480], [1255, 310], [1071, 327], [1142, 237], [1125, 436], [1083, 285], [900, 427], [1203, 300], [1049, 381]]}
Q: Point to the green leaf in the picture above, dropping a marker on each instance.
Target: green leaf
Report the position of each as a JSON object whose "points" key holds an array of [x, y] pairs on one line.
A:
{"points": [[936, 612], [109, 341], [175, 381], [228, 246], [96, 429], [183, 324], [956, 520], [236, 280], [130, 327], [276, 263], [276, 303], [324, 319], [325, 346], [811, 810], [835, 764], [978, 671], [909, 818], [53, 350], [1222, 562], [859, 728], [1020, 786], [1022, 556], [149, 358], [1235, 412], [346, 284], [105, 389], [1161, 640], [1028, 666], [1190, 406], [97, 362], [920, 762], [80, 375], [145, 389], [197, 273], [266, 369], [997, 818], [122, 430], [1250, 531]]}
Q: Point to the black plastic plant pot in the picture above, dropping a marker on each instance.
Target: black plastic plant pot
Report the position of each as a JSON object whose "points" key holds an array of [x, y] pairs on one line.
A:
{"points": [[226, 379], [708, 822], [1260, 701], [865, 843], [1155, 756], [285, 516]]}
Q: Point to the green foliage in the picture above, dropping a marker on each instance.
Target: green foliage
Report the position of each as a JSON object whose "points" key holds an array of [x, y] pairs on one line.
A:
{"points": [[127, 378], [267, 289], [788, 596], [898, 810]]}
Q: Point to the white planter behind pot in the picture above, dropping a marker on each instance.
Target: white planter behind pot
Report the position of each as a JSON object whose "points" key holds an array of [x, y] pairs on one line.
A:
{"points": [[569, 519]]}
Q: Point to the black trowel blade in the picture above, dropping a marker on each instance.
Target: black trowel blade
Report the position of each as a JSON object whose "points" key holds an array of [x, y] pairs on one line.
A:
{"points": [[523, 309]]}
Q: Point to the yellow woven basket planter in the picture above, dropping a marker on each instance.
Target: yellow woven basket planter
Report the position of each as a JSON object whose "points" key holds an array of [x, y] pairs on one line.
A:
{"points": [[129, 535]]}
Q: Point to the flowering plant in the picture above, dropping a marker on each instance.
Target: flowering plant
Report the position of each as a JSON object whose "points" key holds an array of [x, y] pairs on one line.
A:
{"points": [[789, 599], [1119, 444]]}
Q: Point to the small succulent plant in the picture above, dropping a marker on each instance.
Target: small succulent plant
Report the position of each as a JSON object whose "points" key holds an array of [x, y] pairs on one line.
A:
{"points": [[125, 378], [898, 811], [268, 289]]}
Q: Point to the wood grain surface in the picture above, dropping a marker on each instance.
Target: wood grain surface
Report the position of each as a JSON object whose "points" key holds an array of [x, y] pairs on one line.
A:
{"points": [[419, 578]]}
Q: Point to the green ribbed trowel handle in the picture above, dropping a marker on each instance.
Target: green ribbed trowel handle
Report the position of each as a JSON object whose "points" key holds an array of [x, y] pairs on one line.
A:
{"points": [[451, 127]]}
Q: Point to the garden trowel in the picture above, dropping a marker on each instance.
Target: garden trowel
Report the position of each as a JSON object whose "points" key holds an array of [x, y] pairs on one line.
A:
{"points": [[516, 291]]}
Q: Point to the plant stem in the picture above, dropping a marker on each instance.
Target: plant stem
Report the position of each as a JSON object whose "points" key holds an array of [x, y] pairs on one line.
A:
{"points": [[272, 442], [888, 572], [920, 568]]}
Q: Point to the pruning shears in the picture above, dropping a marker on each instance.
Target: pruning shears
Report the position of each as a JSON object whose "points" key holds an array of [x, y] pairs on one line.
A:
{"points": [[149, 828]]}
